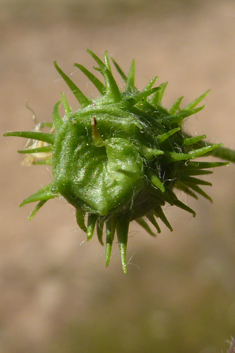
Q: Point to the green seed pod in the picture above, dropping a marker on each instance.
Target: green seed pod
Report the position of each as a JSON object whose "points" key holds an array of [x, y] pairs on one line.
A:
{"points": [[119, 157]]}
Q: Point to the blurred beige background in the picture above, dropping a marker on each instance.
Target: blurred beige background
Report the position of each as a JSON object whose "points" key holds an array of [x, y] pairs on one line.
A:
{"points": [[55, 293]]}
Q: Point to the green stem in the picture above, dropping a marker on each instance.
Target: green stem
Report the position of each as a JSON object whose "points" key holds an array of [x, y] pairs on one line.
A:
{"points": [[224, 153]]}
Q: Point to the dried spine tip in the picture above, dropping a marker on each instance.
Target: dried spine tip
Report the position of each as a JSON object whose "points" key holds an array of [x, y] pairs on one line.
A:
{"points": [[118, 158]]}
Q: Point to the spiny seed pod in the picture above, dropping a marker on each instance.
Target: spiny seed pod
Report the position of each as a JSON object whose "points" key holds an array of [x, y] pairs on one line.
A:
{"points": [[118, 158]]}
